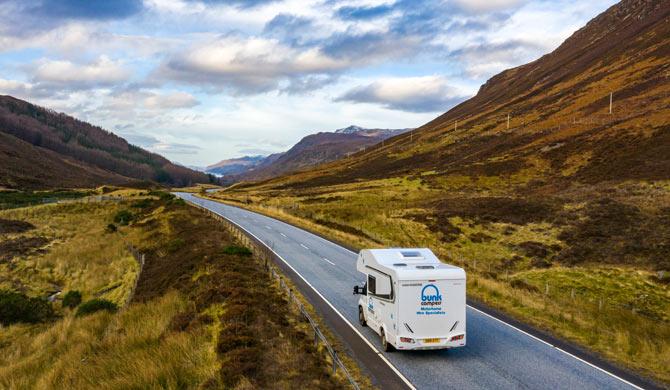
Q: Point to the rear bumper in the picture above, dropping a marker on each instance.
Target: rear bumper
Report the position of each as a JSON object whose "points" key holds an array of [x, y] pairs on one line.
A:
{"points": [[422, 344]]}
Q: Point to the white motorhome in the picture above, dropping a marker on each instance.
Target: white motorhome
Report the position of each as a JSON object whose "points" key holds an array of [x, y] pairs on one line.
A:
{"points": [[411, 299]]}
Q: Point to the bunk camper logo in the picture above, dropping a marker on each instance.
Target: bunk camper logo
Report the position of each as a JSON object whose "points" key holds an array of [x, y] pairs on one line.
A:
{"points": [[431, 300]]}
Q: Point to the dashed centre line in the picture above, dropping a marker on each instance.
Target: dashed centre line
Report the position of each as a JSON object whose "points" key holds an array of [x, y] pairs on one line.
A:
{"points": [[328, 261], [283, 235], [304, 246]]}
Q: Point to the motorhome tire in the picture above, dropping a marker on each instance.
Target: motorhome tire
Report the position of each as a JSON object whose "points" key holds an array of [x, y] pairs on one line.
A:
{"points": [[361, 316], [386, 346]]}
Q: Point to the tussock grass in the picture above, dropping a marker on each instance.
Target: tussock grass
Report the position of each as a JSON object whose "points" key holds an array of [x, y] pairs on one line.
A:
{"points": [[81, 254], [134, 349]]}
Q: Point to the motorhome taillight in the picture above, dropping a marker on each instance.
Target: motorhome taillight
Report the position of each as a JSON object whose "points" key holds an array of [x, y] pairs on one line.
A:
{"points": [[458, 337], [407, 340]]}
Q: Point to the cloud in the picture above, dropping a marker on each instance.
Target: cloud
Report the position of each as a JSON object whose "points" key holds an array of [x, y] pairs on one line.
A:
{"points": [[247, 65], [171, 101], [14, 88], [488, 5], [413, 94], [67, 75], [175, 148], [356, 13]]}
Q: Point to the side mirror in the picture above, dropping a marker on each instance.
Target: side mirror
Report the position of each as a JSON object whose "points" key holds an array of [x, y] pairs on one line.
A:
{"points": [[356, 290]]}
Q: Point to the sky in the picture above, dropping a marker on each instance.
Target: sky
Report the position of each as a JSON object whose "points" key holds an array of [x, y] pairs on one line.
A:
{"points": [[199, 81]]}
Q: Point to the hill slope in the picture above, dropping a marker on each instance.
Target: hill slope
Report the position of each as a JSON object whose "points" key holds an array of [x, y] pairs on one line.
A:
{"points": [[42, 148]]}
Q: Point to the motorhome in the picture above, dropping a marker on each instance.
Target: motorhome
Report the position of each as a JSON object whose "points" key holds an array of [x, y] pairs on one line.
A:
{"points": [[411, 299]]}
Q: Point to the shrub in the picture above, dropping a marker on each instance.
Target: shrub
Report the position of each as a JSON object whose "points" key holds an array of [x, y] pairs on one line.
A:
{"points": [[142, 203], [523, 285], [237, 250], [174, 245], [17, 307], [72, 299], [95, 305], [123, 217], [111, 228]]}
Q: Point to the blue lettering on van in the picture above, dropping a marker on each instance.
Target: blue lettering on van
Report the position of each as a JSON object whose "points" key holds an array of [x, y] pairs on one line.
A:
{"points": [[431, 301], [430, 298]]}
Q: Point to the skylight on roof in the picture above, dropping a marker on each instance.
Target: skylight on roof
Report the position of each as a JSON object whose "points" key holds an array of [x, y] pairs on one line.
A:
{"points": [[410, 254]]}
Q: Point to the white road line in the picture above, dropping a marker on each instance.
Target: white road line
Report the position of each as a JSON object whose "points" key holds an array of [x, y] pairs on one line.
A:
{"points": [[304, 246], [328, 261], [282, 234], [374, 349], [553, 346], [267, 227]]}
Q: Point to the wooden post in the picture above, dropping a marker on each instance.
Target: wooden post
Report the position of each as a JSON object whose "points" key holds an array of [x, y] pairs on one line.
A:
{"points": [[610, 103], [507, 121]]}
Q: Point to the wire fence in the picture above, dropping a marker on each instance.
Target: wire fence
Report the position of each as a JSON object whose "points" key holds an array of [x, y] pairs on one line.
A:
{"points": [[263, 252], [140, 258]]}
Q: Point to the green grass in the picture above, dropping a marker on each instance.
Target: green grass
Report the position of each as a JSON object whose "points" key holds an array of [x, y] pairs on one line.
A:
{"points": [[14, 199]]}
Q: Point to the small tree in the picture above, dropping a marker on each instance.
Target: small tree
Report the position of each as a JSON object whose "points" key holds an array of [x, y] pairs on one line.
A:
{"points": [[17, 307], [72, 299], [123, 217]]}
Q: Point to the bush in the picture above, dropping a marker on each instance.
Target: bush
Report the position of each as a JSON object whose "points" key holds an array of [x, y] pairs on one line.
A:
{"points": [[16, 307], [123, 217], [175, 245], [95, 305], [237, 250], [72, 299], [111, 228], [142, 203]]}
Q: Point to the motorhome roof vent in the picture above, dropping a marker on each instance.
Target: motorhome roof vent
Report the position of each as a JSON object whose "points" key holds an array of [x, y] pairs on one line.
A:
{"points": [[411, 254], [425, 267], [399, 265]]}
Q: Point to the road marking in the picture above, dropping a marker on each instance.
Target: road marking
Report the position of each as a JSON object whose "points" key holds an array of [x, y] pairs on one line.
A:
{"points": [[282, 234], [561, 350], [304, 246], [369, 344], [328, 261], [267, 227]]}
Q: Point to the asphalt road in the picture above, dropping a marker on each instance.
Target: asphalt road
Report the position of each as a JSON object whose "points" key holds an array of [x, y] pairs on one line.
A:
{"points": [[497, 355]]}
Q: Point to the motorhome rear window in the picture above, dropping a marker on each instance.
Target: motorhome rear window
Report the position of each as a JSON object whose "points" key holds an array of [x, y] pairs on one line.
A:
{"points": [[399, 265], [425, 267], [410, 254]]}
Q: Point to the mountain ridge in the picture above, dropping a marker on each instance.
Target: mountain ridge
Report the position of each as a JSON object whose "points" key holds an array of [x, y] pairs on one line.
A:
{"points": [[98, 156]]}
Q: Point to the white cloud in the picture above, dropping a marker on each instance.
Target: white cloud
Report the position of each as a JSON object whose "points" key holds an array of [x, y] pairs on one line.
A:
{"points": [[102, 72], [488, 5], [171, 100], [247, 65], [413, 94]]}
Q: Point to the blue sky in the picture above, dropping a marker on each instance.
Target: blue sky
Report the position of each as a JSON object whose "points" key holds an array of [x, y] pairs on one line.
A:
{"points": [[203, 80]]}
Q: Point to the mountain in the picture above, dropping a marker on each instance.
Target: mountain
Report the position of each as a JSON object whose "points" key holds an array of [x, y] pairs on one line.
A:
{"points": [[40, 148], [312, 150], [235, 166]]}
